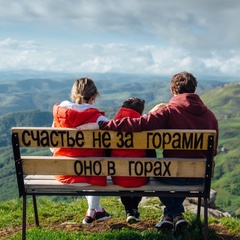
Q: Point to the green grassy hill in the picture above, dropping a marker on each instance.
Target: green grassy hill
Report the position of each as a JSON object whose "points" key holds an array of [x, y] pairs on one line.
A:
{"points": [[61, 220], [222, 100]]}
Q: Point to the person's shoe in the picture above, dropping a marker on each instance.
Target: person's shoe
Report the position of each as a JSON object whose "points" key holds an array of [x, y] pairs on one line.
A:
{"points": [[88, 219], [179, 223], [166, 223], [101, 216], [136, 213], [131, 217]]}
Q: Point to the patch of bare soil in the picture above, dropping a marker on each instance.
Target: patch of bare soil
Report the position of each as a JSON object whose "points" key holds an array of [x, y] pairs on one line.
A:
{"points": [[112, 224], [7, 232], [107, 226], [223, 232]]}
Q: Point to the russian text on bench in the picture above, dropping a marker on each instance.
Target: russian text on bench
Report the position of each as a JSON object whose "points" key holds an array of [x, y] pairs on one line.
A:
{"points": [[34, 173]]}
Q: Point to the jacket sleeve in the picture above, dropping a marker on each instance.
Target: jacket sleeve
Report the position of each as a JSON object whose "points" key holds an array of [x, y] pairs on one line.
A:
{"points": [[156, 120]]}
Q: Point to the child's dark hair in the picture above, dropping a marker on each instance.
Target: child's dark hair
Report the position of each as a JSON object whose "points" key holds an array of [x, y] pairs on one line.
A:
{"points": [[135, 104]]}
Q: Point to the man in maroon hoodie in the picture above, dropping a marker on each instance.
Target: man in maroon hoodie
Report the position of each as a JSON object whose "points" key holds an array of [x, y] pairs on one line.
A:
{"points": [[185, 110]]}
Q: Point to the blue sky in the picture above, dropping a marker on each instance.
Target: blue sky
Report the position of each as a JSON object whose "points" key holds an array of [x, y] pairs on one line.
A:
{"points": [[125, 36]]}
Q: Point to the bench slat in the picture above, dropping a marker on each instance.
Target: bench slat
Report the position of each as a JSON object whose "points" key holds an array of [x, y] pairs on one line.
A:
{"points": [[169, 139], [50, 184], [152, 167]]}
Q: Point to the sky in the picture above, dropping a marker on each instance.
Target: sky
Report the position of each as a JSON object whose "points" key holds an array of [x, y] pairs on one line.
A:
{"points": [[122, 36]]}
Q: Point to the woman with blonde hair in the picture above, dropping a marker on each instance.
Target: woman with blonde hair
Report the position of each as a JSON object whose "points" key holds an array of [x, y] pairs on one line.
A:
{"points": [[70, 115]]}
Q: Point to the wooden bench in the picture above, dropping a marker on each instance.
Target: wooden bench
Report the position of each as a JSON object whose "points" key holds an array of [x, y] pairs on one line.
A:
{"points": [[35, 174]]}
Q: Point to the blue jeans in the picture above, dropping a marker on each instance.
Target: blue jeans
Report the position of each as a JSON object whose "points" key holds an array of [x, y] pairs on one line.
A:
{"points": [[174, 205]]}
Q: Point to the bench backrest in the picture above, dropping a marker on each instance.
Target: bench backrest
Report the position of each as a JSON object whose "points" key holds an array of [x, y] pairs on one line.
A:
{"points": [[174, 139]]}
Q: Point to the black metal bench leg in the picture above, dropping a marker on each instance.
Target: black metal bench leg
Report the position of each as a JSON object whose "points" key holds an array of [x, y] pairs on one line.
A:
{"points": [[35, 210], [205, 219], [199, 209], [24, 215]]}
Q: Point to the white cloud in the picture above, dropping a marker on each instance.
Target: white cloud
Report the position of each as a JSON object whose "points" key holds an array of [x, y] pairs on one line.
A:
{"points": [[192, 24], [142, 36], [112, 58]]}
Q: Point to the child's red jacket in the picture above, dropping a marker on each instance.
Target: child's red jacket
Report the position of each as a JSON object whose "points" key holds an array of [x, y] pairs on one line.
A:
{"points": [[128, 181]]}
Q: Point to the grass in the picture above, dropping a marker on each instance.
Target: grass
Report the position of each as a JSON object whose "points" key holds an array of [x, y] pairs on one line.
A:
{"points": [[62, 220]]}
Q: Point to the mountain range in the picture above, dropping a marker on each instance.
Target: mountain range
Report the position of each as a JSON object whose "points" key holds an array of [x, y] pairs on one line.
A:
{"points": [[28, 102]]}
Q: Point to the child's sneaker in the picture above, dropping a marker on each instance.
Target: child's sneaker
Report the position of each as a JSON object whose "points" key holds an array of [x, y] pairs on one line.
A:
{"points": [[136, 213], [101, 216], [131, 217], [88, 219]]}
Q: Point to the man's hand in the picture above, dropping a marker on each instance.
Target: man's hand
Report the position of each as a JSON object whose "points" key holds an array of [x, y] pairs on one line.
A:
{"points": [[158, 106], [88, 126]]}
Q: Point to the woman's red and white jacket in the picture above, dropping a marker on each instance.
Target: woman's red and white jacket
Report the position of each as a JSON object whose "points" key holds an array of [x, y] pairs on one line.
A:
{"points": [[70, 115]]}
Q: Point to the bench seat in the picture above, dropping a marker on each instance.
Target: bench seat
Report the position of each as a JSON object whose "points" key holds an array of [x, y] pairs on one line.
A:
{"points": [[42, 184]]}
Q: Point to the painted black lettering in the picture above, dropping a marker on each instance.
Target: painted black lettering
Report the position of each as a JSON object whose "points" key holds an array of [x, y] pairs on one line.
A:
{"points": [[61, 134], [36, 138], [157, 168], [166, 139], [130, 167], [149, 137], [167, 170], [147, 168], [129, 140], [79, 139], [125, 140], [187, 142], [106, 139], [52, 134], [87, 166], [176, 143], [138, 168], [78, 167], [111, 168], [157, 140], [97, 168], [44, 139], [70, 140], [25, 142], [97, 139], [120, 144], [198, 140]]}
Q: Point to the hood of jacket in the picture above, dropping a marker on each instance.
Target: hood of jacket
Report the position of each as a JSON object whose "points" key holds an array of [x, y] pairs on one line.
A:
{"points": [[189, 102], [67, 117], [126, 112]]}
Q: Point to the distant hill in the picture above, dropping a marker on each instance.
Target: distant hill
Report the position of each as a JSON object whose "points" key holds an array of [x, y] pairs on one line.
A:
{"points": [[29, 103], [42, 94], [22, 118], [8, 184]]}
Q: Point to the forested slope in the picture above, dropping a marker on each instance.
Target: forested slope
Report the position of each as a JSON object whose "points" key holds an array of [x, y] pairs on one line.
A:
{"points": [[222, 99]]}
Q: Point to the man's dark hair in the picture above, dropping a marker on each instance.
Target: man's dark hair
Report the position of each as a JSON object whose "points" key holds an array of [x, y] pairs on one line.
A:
{"points": [[183, 82]]}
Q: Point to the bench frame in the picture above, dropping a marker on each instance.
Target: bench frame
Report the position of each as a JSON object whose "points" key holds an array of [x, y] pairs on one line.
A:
{"points": [[27, 185]]}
